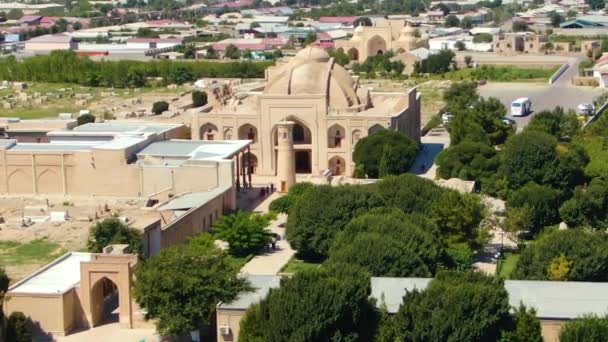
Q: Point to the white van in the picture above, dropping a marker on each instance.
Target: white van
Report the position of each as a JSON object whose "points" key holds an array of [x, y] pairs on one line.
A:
{"points": [[520, 107]]}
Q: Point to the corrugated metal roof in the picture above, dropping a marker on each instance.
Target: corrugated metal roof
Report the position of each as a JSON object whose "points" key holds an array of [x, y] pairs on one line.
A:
{"points": [[261, 284], [551, 299], [193, 199]]}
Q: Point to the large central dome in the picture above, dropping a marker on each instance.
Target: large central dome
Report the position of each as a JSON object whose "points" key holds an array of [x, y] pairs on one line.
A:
{"points": [[313, 72]]}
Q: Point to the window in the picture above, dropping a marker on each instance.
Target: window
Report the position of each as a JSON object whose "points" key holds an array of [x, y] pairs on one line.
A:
{"points": [[251, 134]]}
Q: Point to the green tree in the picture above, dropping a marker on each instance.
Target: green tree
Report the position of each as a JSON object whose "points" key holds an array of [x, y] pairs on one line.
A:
{"points": [[389, 243], [211, 53], [482, 38], [182, 74], [458, 217], [452, 21], [482, 121], [85, 119], [19, 328], [467, 306], [469, 161], [400, 155], [244, 232], [284, 203], [409, 193], [527, 326], [460, 46], [466, 23], [559, 268], [322, 305], [588, 207], [542, 203], [322, 212], [310, 38], [159, 107], [232, 52], [519, 26], [113, 231], [135, 77], [4, 282], [180, 287], [585, 251], [589, 328], [199, 98], [557, 123], [437, 63], [340, 56], [529, 157]]}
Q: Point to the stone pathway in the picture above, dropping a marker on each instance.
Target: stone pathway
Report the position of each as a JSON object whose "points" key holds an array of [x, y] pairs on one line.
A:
{"points": [[272, 262]]}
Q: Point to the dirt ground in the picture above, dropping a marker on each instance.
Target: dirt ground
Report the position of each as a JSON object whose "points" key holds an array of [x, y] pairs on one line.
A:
{"points": [[70, 235]]}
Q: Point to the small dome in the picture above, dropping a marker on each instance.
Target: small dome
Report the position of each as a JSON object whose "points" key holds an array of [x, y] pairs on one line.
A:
{"points": [[312, 53]]}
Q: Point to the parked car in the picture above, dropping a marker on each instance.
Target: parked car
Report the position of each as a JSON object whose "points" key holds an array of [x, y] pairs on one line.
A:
{"points": [[446, 118], [508, 121], [586, 109]]}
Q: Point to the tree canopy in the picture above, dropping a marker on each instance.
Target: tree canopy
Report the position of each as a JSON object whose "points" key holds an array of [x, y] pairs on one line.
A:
{"points": [[321, 213], [585, 329], [113, 231], [389, 243], [316, 305], [588, 207], [284, 203], [583, 254], [542, 203], [245, 232], [469, 306], [180, 287], [391, 149]]}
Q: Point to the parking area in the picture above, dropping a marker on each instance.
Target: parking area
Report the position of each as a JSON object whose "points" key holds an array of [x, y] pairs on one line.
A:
{"points": [[542, 96]]}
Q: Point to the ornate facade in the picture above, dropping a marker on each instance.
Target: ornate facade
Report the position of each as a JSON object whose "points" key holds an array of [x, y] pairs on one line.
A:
{"points": [[384, 35], [330, 112]]}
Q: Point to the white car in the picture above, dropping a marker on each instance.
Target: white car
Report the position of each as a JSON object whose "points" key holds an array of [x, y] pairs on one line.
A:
{"points": [[586, 109], [446, 118]]}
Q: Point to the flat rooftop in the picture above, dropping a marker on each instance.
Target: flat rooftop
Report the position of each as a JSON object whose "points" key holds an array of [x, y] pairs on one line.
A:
{"points": [[193, 199], [55, 278], [125, 127], [50, 147], [195, 150], [261, 284], [551, 299]]}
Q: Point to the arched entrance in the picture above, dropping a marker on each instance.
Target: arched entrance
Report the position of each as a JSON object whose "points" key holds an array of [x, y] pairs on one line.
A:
{"points": [[248, 132], [208, 132], [337, 165], [250, 162], [375, 128], [376, 45], [303, 161], [227, 134], [353, 54], [104, 302], [356, 137], [336, 135]]}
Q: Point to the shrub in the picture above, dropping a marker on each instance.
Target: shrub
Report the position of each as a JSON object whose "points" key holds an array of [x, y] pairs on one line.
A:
{"points": [[113, 231], [284, 203], [586, 329], [19, 328], [159, 107], [85, 119], [199, 98], [397, 150], [245, 232], [408, 192]]}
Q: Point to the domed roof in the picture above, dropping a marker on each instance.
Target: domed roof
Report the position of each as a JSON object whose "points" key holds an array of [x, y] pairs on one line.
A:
{"points": [[312, 53], [313, 72]]}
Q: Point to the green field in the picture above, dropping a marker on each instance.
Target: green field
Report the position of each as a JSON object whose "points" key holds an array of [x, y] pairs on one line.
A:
{"points": [[296, 265], [498, 74], [40, 251], [507, 265]]}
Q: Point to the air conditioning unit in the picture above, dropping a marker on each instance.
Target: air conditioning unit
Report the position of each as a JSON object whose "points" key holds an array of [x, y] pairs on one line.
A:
{"points": [[224, 330]]}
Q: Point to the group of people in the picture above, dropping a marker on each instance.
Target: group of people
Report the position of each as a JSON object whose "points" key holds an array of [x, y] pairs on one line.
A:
{"points": [[267, 190]]}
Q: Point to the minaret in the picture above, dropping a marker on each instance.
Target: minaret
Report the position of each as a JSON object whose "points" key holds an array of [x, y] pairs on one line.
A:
{"points": [[286, 163]]}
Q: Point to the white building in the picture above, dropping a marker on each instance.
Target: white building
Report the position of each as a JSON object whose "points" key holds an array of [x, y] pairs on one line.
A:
{"points": [[442, 43]]}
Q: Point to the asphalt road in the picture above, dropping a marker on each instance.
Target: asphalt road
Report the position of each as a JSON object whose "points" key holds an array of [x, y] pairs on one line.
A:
{"points": [[543, 96]]}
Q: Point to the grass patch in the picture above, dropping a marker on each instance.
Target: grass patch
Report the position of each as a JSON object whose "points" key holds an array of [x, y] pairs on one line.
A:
{"points": [[296, 265], [239, 262], [38, 251], [498, 74], [507, 265]]}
